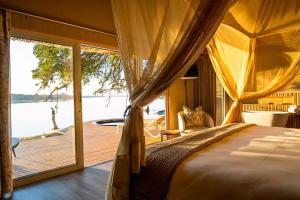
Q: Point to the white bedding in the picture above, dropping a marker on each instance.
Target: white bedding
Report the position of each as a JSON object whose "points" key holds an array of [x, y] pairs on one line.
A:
{"points": [[256, 163]]}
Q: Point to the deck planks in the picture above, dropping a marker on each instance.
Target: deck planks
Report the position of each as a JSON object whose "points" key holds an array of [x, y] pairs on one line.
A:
{"points": [[38, 155]]}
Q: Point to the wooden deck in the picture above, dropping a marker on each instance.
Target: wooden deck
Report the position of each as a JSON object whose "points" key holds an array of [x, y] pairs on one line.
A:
{"points": [[38, 155]]}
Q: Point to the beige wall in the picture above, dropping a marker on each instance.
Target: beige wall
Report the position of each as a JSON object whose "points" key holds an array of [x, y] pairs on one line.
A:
{"points": [[176, 100], [24, 26], [96, 15]]}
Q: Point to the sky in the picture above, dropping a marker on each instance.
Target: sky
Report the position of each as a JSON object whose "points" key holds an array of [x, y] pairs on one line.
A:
{"points": [[23, 62]]}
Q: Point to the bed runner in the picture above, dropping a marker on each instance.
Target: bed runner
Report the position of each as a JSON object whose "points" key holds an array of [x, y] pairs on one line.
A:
{"points": [[163, 158]]}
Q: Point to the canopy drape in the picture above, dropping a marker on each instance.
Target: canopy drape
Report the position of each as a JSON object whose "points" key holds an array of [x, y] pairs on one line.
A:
{"points": [[256, 50], [5, 150], [158, 41]]}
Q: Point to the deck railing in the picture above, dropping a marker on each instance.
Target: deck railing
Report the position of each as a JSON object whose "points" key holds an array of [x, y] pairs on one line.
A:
{"points": [[266, 107]]}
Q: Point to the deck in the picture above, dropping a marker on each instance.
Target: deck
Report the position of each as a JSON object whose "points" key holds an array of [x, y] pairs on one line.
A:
{"points": [[42, 154]]}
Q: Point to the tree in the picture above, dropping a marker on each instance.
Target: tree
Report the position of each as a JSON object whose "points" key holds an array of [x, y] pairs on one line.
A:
{"points": [[54, 71]]}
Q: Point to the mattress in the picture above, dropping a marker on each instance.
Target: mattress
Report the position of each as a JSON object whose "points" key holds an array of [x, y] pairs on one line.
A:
{"points": [[255, 163]]}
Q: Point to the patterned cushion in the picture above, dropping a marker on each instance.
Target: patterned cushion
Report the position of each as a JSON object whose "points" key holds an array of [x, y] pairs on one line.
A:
{"points": [[193, 117]]}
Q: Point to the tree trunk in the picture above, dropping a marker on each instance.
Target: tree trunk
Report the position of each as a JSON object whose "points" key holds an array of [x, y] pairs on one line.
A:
{"points": [[55, 127]]}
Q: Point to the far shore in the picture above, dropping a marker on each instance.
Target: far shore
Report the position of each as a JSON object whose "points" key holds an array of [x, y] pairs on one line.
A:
{"points": [[30, 98]]}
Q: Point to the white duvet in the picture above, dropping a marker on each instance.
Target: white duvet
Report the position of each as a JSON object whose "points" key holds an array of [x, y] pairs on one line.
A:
{"points": [[256, 163]]}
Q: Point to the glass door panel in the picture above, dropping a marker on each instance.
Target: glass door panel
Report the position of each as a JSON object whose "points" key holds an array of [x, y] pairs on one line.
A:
{"points": [[42, 107]]}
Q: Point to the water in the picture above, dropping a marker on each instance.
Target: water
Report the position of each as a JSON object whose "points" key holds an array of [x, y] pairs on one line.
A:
{"points": [[30, 119]]}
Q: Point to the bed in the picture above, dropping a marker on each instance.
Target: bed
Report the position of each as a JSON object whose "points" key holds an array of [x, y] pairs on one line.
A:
{"points": [[237, 161]]}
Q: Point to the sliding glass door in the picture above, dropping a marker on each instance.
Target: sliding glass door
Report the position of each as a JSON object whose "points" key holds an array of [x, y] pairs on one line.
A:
{"points": [[45, 110]]}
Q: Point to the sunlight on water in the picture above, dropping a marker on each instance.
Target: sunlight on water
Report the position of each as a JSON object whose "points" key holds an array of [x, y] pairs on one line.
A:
{"points": [[30, 119]]}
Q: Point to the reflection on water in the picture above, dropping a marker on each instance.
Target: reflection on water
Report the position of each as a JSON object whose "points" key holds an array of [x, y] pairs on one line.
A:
{"points": [[29, 119]]}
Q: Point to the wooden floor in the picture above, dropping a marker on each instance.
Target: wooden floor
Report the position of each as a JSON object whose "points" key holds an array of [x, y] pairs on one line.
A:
{"points": [[88, 184], [38, 155]]}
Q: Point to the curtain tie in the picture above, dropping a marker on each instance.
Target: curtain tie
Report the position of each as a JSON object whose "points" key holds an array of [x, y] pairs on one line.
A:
{"points": [[128, 108], [127, 111], [239, 102]]}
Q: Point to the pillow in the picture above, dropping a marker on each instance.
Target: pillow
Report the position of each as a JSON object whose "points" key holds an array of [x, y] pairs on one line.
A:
{"points": [[193, 117]]}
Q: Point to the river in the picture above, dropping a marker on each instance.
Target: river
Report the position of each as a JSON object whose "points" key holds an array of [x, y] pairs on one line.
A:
{"points": [[31, 119]]}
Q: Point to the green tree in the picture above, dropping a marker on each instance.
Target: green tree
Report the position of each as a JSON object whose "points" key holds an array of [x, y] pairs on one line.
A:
{"points": [[55, 69]]}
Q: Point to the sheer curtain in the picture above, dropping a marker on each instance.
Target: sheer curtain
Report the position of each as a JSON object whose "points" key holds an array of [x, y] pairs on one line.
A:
{"points": [[5, 150], [256, 50], [158, 41]]}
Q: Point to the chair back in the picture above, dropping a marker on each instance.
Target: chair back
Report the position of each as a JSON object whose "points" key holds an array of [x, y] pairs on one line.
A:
{"points": [[208, 120]]}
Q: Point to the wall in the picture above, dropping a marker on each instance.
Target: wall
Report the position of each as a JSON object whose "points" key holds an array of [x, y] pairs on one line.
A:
{"points": [[24, 26], [282, 98], [177, 99], [95, 16], [92, 14]]}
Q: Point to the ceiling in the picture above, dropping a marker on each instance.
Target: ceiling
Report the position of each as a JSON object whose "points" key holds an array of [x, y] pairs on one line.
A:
{"points": [[92, 14]]}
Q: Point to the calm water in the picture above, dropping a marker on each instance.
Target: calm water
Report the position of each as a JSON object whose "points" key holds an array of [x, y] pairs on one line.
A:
{"points": [[30, 119]]}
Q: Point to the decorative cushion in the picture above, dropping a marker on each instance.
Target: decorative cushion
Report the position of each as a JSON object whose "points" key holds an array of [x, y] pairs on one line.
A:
{"points": [[193, 117]]}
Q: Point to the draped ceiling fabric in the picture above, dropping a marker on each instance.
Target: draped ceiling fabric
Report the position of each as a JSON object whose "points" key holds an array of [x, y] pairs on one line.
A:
{"points": [[256, 50], [5, 152], [158, 41]]}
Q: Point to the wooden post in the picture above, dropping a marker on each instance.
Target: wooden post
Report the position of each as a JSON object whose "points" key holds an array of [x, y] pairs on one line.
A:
{"points": [[5, 137], [78, 105]]}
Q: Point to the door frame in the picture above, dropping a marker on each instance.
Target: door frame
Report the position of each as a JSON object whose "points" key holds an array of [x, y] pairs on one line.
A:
{"points": [[79, 155]]}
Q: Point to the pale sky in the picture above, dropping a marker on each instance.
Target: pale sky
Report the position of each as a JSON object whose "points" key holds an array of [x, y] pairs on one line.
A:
{"points": [[23, 62]]}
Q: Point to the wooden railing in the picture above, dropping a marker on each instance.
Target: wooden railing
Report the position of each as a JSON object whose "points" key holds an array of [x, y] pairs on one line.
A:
{"points": [[266, 107]]}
